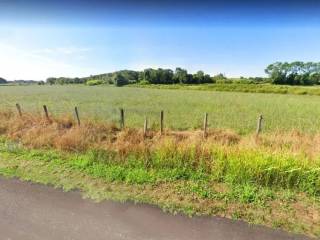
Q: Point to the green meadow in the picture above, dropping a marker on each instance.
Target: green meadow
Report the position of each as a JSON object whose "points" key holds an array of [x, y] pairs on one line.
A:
{"points": [[184, 108], [272, 179]]}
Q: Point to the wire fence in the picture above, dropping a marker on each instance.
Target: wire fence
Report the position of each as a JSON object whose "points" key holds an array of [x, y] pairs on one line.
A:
{"points": [[122, 121]]}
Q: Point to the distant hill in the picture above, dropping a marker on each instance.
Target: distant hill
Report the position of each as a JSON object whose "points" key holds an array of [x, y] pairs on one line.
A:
{"points": [[3, 81]]}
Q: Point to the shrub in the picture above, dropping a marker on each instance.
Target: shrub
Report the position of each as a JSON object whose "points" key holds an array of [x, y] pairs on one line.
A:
{"points": [[120, 80], [219, 77], [144, 82], [94, 82]]}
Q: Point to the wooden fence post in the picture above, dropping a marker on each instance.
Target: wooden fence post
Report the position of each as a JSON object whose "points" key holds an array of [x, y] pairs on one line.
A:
{"points": [[121, 118], [161, 122], [45, 109], [259, 125], [145, 127], [205, 125], [77, 115], [19, 109]]}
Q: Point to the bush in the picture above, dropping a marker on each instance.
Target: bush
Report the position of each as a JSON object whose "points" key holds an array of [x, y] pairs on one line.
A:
{"points": [[144, 82], [218, 78], [120, 80], [94, 82], [244, 81]]}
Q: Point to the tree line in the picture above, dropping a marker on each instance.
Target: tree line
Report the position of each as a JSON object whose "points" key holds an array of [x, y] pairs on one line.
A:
{"points": [[21, 82], [294, 73], [147, 76]]}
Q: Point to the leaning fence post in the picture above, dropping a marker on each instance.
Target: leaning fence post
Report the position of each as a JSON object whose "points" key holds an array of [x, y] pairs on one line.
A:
{"points": [[121, 118], [161, 122], [45, 109], [205, 125], [19, 109], [259, 125], [145, 127], [77, 115]]}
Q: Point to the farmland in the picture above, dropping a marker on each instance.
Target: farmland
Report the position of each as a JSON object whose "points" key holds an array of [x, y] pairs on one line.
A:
{"points": [[238, 85], [271, 179], [184, 109]]}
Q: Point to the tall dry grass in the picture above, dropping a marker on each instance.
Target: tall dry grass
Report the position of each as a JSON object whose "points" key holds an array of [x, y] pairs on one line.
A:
{"points": [[64, 134], [287, 159]]}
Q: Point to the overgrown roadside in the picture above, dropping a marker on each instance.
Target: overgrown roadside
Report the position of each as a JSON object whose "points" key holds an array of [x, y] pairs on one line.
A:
{"points": [[286, 209], [272, 181]]}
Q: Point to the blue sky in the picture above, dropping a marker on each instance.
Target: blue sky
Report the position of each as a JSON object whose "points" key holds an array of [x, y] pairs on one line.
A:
{"points": [[39, 39]]}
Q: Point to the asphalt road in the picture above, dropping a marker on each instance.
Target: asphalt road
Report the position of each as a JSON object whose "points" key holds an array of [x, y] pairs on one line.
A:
{"points": [[31, 211]]}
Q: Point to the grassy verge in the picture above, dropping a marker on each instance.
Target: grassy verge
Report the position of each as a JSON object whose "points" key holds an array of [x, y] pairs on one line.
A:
{"points": [[241, 87], [174, 187], [273, 179]]}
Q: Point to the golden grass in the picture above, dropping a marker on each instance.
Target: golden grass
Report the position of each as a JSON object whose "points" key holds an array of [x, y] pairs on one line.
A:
{"points": [[63, 133]]}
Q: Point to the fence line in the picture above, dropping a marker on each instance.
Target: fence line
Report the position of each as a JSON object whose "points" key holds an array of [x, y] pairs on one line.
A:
{"points": [[145, 126]]}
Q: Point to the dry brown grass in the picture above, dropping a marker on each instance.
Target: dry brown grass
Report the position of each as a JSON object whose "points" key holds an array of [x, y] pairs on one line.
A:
{"points": [[62, 133], [35, 131]]}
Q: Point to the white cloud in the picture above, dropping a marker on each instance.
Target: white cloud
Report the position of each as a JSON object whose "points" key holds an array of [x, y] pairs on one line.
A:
{"points": [[17, 63]]}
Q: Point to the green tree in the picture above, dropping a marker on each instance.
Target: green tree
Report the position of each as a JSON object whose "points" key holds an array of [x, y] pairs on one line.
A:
{"points": [[219, 77], [198, 77], [181, 76], [120, 80], [295, 73], [3, 81]]}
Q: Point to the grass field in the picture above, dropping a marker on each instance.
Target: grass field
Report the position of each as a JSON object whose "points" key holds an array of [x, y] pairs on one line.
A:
{"points": [[242, 87], [184, 109], [271, 179]]}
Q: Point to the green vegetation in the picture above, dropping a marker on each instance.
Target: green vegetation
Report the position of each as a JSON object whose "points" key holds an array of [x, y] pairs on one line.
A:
{"points": [[184, 109], [271, 179], [119, 80], [20, 82], [94, 82], [238, 85], [154, 76], [260, 188], [295, 73]]}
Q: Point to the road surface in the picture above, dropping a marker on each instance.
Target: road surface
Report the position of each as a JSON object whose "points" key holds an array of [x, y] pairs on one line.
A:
{"points": [[32, 211]]}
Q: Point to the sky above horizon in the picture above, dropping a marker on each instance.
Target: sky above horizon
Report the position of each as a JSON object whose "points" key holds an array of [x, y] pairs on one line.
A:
{"points": [[40, 39]]}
